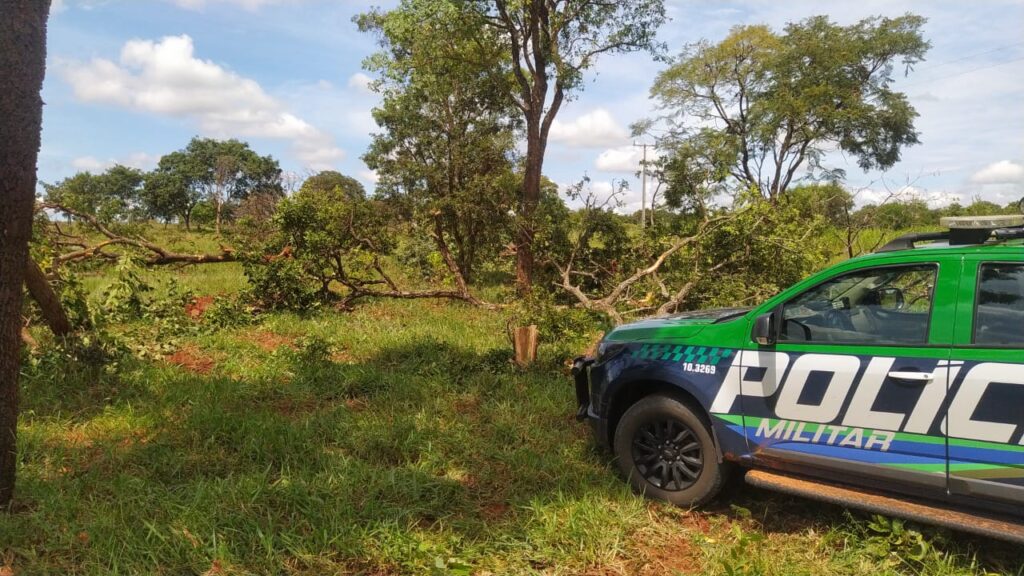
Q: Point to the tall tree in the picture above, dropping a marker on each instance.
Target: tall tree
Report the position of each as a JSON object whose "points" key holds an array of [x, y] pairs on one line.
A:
{"points": [[445, 154], [759, 107], [214, 170], [549, 45], [22, 67]]}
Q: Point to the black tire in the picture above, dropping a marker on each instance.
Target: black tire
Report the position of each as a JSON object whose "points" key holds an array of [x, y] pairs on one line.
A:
{"points": [[667, 452]]}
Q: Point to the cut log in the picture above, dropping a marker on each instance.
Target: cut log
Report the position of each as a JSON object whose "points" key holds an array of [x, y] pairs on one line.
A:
{"points": [[524, 343]]}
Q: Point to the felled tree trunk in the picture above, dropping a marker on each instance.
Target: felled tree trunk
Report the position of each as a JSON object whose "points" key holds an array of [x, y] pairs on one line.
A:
{"points": [[49, 304]]}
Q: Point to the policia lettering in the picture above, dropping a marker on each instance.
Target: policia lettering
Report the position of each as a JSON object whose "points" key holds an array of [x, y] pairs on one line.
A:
{"points": [[762, 374]]}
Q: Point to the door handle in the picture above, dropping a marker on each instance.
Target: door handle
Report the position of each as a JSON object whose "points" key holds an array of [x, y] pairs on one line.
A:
{"points": [[919, 377]]}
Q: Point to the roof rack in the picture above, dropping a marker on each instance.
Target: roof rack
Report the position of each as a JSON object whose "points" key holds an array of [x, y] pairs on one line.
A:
{"points": [[906, 242], [964, 231]]}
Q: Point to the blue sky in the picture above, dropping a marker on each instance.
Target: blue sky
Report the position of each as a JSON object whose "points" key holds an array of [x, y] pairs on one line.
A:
{"points": [[128, 81]]}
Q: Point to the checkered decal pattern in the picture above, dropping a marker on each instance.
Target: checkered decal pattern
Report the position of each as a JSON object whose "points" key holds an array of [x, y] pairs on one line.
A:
{"points": [[680, 353]]}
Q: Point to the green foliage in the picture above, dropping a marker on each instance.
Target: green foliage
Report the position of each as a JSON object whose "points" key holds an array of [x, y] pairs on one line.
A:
{"points": [[127, 297], [213, 170], [740, 558], [281, 284], [771, 104], [113, 196], [320, 242], [228, 312], [557, 323], [445, 152], [329, 181]]}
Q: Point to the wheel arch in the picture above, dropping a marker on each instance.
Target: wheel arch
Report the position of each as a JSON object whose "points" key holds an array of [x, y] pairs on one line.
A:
{"points": [[629, 393]]}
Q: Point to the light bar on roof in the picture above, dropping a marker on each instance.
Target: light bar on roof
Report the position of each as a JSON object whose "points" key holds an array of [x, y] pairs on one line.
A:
{"points": [[982, 222]]}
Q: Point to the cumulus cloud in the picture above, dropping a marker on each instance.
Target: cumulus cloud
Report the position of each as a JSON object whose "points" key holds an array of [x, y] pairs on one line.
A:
{"points": [[934, 198], [624, 159], [247, 4], [166, 78], [140, 160], [360, 82], [369, 176], [594, 129], [1002, 172]]}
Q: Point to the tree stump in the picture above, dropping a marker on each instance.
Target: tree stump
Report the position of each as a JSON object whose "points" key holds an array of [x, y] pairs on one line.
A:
{"points": [[524, 343]]}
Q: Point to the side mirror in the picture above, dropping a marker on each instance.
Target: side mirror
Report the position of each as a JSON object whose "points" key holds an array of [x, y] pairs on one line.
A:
{"points": [[891, 298], [764, 329]]}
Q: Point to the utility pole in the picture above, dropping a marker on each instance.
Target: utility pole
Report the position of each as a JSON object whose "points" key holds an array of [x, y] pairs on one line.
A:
{"points": [[643, 188]]}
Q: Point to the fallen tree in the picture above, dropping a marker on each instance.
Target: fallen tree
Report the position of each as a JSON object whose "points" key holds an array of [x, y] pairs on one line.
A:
{"points": [[82, 248], [608, 302]]}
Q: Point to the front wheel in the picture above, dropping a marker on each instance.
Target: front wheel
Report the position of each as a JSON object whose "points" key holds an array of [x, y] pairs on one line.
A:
{"points": [[667, 452]]}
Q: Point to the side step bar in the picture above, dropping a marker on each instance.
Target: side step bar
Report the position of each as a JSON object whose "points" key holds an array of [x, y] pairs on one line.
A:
{"points": [[872, 502]]}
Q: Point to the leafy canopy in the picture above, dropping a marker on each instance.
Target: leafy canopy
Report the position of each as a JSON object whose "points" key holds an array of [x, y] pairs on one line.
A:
{"points": [[759, 107], [111, 196]]}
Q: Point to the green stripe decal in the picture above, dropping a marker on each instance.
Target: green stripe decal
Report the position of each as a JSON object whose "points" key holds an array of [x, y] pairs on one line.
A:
{"points": [[810, 427]]}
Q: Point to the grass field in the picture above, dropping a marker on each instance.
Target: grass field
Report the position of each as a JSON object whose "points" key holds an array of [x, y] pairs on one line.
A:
{"points": [[395, 439]]}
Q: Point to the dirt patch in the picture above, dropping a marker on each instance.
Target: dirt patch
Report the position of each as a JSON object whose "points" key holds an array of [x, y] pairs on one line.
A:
{"points": [[356, 404], [292, 408], [675, 554], [197, 307], [467, 404], [670, 548], [268, 341], [492, 511], [192, 359]]}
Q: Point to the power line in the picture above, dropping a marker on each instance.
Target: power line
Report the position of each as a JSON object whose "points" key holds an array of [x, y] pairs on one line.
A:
{"points": [[961, 73], [970, 56]]}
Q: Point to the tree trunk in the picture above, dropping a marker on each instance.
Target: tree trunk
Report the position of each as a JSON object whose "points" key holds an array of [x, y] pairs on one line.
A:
{"points": [[528, 206], [217, 223], [22, 66], [49, 303]]}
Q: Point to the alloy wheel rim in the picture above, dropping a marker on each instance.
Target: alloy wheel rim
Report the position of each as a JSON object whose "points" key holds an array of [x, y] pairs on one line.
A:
{"points": [[667, 454]]}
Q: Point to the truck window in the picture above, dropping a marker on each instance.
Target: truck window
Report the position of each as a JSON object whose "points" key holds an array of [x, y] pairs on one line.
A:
{"points": [[875, 306], [999, 309]]}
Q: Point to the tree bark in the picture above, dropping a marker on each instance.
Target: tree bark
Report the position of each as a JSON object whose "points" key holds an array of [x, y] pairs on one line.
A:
{"points": [[217, 223], [528, 207], [22, 66], [49, 303]]}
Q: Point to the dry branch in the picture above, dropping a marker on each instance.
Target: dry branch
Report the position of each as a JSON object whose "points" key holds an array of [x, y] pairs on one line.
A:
{"points": [[158, 255], [607, 304]]}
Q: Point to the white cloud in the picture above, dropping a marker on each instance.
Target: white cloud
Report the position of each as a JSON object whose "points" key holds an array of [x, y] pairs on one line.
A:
{"points": [[1002, 172], [624, 159], [166, 78], [369, 176], [140, 160], [247, 4], [934, 198], [90, 164], [594, 129], [57, 6], [360, 82]]}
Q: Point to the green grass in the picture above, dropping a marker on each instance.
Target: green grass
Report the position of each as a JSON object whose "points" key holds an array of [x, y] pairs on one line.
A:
{"points": [[395, 439]]}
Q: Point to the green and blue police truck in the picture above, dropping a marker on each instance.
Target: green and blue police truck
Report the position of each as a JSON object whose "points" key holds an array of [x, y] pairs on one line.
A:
{"points": [[892, 382]]}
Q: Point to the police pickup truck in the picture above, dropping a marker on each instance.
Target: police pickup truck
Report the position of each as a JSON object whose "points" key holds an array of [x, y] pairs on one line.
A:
{"points": [[892, 382]]}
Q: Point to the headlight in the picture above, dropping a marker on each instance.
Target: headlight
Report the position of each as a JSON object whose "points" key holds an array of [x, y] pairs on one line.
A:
{"points": [[606, 350]]}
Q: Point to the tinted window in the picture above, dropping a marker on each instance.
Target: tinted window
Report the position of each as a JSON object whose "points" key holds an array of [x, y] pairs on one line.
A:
{"points": [[889, 305], [999, 317]]}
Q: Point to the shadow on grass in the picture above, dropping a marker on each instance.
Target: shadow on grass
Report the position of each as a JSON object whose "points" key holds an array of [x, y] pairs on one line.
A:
{"points": [[419, 452]]}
